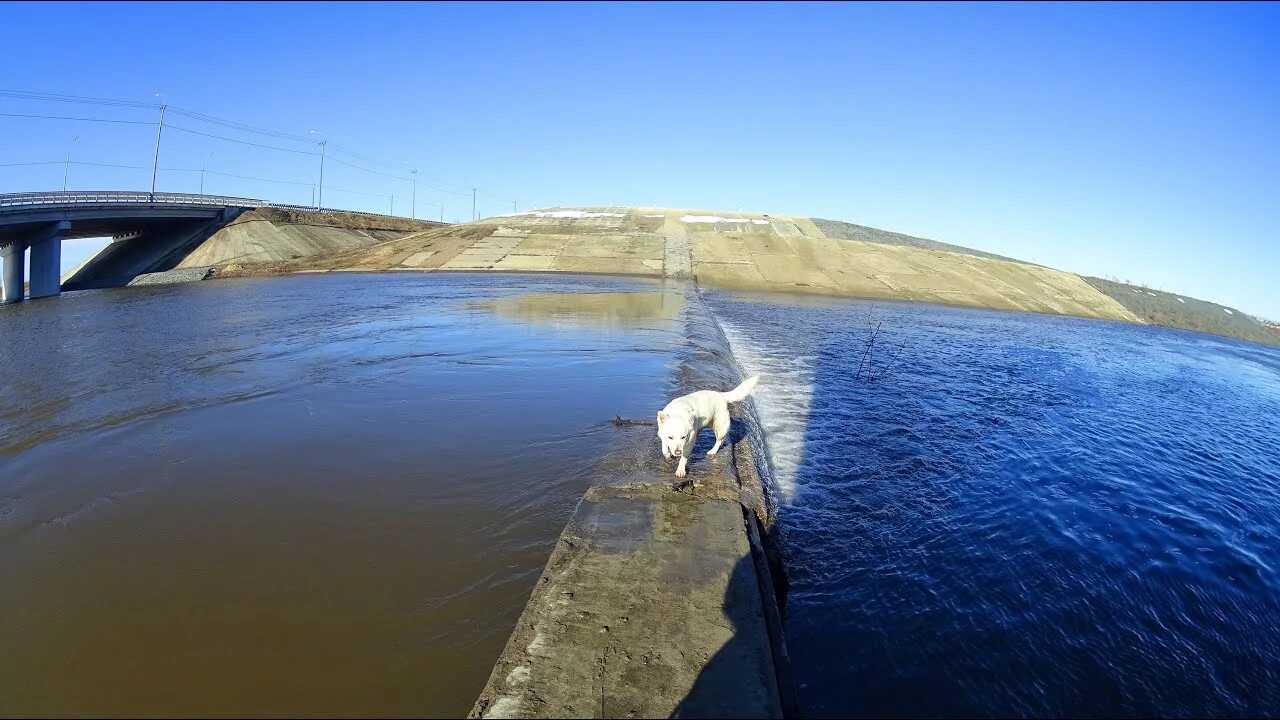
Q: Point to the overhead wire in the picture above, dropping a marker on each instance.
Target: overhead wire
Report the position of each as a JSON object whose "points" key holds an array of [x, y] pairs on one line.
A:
{"points": [[232, 125], [46, 162], [242, 142], [59, 97], [246, 177], [81, 119], [358, 192], [165, 169]]}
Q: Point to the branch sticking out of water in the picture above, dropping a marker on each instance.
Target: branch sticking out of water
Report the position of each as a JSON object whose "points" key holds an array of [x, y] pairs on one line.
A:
{"points": [[619, 421], [868, 357], [866, 353], [885, 369]]}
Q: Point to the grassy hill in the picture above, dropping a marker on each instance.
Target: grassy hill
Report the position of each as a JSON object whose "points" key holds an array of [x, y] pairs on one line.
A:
{"points": [[1179, 311], [1151, 306]]}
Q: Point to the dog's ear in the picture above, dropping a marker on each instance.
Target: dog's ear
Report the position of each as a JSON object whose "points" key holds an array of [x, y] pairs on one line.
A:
{"points": [[662, 417]]}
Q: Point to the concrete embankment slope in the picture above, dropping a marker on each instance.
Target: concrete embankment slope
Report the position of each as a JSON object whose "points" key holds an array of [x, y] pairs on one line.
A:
{"points": [[269, 235], [655, 603], [1155, 307], [749, 251]]}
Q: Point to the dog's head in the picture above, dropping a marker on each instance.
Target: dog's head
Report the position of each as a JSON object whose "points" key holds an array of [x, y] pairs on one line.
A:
{"points": [[673, 430]]}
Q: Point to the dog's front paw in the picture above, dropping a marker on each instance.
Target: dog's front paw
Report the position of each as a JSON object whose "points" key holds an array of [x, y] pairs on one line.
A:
{"points": [[680, 473], [712, 453]]}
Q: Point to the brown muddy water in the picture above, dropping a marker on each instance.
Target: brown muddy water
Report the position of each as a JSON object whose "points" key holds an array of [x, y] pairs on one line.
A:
{"points": [[320, 495]]}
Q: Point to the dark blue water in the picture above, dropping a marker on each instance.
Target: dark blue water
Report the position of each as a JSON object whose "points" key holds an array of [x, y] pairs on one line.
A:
{"points": [[1020, 515]]}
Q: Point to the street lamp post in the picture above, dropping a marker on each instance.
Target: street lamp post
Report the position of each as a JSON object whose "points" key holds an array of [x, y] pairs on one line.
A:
{"points": [[155, 162], [320, 194], [203, 163], [413, 207], [66, 170]]}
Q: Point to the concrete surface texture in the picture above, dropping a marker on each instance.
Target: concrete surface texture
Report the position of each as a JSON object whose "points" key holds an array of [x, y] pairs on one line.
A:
{"points": [[748, 251], [654, 602], [268, 235], [650, 606]]}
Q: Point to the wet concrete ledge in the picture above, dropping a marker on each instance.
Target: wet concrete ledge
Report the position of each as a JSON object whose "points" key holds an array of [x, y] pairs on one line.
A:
{"points": [[657, 602]]}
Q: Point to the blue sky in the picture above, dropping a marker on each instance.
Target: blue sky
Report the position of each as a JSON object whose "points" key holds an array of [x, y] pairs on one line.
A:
{"points": [[1139, 141]]}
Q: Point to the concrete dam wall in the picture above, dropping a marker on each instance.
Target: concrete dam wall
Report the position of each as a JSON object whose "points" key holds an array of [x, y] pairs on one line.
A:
{"points": [[657, 602], [268, 235]]}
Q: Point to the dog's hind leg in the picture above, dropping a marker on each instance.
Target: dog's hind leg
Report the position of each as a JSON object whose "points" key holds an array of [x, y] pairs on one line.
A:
{"points": [[721, 427]]}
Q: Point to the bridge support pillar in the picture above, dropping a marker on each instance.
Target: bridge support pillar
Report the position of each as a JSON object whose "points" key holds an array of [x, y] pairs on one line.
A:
{"points": [[14, 258], [46, 261]]}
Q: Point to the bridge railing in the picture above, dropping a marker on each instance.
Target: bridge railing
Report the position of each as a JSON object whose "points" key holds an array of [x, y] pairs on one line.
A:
{"points": [[34, 200], [111, 197]]}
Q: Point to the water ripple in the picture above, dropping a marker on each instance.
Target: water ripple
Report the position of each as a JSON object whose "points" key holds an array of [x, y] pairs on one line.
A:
{"points": [[1023, 515]]}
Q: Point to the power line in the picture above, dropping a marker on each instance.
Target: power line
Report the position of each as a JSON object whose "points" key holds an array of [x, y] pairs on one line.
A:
{"points": [[244, 177], [93, 164], [47, 162], [242, 142], [375, 172], [232, 124], [396, 177], [365, 158], [396, 166], [81, 119], [58, 97], [221, 122], [166, 169], [357, 192]]}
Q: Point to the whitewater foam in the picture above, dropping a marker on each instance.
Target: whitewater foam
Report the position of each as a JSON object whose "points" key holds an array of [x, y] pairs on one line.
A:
{"points": [[782, 402]]}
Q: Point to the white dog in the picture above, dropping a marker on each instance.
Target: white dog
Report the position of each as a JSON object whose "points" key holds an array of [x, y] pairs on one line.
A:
{"points": [[681, 420]]}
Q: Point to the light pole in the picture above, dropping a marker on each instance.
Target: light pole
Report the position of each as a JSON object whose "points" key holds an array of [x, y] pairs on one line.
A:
{"points": [[203, 163], [413, 208], [473, 203], [155, 162], [393, 204], [67, 169], [320, 195]]}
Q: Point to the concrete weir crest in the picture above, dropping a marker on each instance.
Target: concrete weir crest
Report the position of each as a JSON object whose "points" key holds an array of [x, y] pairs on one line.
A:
{"points": [[657, 602]]}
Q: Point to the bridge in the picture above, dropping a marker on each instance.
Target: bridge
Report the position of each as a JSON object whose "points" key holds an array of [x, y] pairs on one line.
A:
{"points": [[146, 229]]}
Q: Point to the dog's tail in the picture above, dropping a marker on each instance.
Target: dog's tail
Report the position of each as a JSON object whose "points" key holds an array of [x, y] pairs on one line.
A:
{"points": [[741, 392]]}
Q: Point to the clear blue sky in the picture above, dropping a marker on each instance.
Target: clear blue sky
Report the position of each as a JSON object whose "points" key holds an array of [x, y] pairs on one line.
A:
{"points": [[1141, 141]]}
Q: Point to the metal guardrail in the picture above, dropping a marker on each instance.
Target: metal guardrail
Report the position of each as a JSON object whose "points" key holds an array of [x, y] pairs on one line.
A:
{"points": [[110, 197], [34, 200]]}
